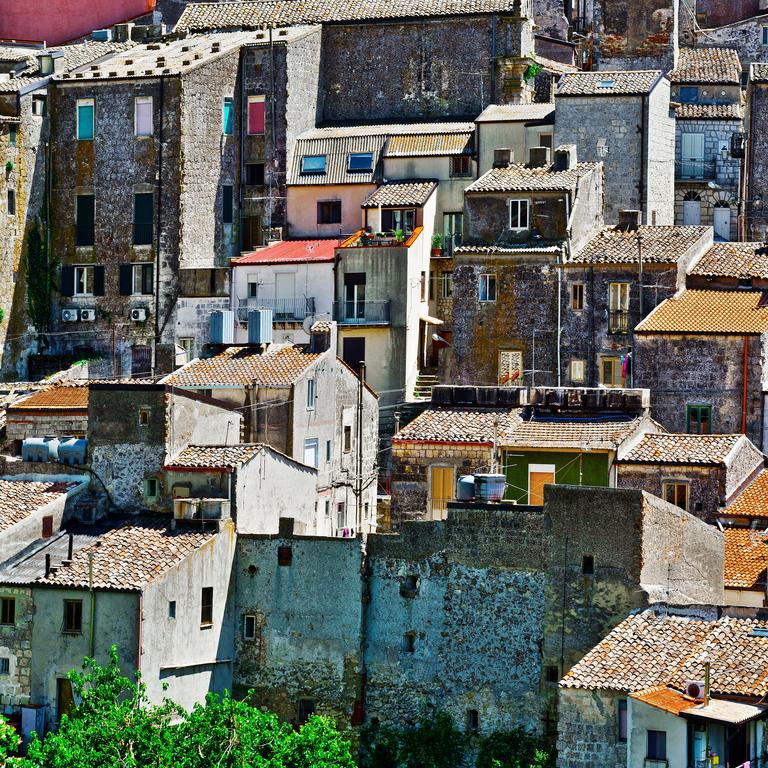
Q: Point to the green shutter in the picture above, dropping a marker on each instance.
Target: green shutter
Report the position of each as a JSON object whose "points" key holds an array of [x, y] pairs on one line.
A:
{"points": [[85, 121], [229, 118]]}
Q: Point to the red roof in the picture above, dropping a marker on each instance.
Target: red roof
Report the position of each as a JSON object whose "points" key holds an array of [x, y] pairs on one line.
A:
{"points": [[291, 251]]}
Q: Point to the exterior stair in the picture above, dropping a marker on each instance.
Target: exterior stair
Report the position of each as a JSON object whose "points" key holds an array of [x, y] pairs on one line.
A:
{"points": [[424, 384]]}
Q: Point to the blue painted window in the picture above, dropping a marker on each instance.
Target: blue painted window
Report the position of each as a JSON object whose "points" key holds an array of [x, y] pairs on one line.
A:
{"points": [[85, 121], [229, 118], [689, 93]]}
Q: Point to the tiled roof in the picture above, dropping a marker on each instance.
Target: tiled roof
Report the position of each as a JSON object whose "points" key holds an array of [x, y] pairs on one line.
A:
{"points": [[758, 73], [711, 312], [752, 501], [525, 178], [214, 456], [256, 14], [321, 326], [55, 398], [519, 113], [280, 366], [20, 498], [580, 433], [291, 252], [708, 111], [742, 260], [501, 250], [429, 144], [681, 449], [707, 65], [665, 698], [401, 193], [648, 650], [660, 245], [459, 425], [746, 558], [624, 83]]}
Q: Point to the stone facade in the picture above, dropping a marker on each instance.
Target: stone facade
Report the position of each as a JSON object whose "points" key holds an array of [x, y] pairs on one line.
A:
{"points": [[746, 36], [16, 646], [755, 214]]}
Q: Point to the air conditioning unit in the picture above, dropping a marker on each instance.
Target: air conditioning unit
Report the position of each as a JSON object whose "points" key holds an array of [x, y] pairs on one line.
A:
{"points": [[186, 509], [139, 315], [694, 689], [87, 315], [70, 315]]}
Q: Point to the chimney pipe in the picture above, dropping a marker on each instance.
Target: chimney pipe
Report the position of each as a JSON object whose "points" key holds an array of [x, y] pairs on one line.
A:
{"points": [[47, 565], [70, 546]]}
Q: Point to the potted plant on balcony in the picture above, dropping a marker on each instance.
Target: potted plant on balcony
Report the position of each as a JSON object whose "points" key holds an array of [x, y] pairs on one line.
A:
{"points": [[437, 244], [399, 236]]}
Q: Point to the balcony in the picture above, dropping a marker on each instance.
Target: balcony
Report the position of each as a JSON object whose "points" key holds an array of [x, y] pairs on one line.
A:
{"points": [[618, 321], [283, 310], [363, 239], [696, 169], [361, 312]]}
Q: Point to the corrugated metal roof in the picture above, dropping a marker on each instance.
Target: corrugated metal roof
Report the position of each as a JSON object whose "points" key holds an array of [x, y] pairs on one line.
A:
{"points": [[430, 145], [336, 151], [292, 251]]}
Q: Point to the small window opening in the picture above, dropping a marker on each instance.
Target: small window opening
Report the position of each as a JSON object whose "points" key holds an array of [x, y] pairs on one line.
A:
{"points": [[588, 565], [171, 609], [284, 555], [409, 642], [473, 721]]}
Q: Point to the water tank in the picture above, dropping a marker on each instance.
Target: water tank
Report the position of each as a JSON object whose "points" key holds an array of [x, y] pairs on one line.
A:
{"points": [[465, 488], [260, 326], [40, 449], [487, 395], [73, 451], [490, 487], [222, 326]]}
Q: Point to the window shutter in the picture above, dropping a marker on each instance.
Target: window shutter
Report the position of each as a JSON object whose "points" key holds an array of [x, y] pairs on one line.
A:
{"points": [[146, 278], [98, 281], [67, 280], [144, 117], [256, 116], [126, 279]]}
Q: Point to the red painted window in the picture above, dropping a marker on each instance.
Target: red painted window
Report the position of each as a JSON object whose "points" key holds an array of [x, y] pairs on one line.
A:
{"points": [[255, 115]]}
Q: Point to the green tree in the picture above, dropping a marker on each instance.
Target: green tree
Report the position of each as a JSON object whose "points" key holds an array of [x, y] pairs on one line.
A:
{"points": [[39, 272], [9, 742]]}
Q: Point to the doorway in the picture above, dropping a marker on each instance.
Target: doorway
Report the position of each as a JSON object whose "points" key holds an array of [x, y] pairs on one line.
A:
{"points": [[539, 475], [353, 352], [722, 221], [691, 209], [285, 291]]}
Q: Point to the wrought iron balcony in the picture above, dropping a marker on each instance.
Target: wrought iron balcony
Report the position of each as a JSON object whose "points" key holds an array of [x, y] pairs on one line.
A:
{"points": [[618, 321], [361, 312], [696, 169], [283, 310]]}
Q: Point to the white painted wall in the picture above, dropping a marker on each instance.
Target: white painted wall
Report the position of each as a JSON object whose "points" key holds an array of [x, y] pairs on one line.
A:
{"points": [[640, 719]]}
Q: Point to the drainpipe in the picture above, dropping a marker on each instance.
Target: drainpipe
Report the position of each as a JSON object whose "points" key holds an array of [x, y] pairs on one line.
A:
{"points": [[492, 100], [91, 634], [559, 308], [744, 386], [159, 214], [643, 160], [139, 626], [243, 122]]}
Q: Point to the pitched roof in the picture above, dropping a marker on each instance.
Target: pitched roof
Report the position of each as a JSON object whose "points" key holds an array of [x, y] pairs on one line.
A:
{"points": [[709, 312], [544, 246], [732, 259], [681, 449], [650, 649], [291, 252], [56, 398], [525, 178], [459, 425], [517, 113], [746, 558], [20, 498], [255, 14], [707, 65], [708, 111], [665, 698], [280, 366], [623, 83], [658, 245], [214, 456], [752, 501], [582, 433], [401, 193], [758, 73], [429, 144]]}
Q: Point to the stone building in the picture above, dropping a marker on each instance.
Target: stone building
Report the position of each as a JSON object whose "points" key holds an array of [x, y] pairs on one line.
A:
{"points": [[746, 566], [699, 473], [519, 221], [750, 508], [701, 355], [623, 120], [743, 31], [61, 411], [706, 90], [610, 285], [756, 203], [730, 266]]}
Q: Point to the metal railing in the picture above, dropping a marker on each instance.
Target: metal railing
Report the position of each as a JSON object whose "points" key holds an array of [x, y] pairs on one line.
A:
{"points": [[618, 321], [696, 169], [283, 310], [361, 312]]}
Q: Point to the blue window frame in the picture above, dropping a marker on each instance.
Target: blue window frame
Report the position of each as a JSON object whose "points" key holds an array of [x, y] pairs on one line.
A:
{"points": [[313, 164], [689, 93], [85, 119], [228, 117], [360, 161]]}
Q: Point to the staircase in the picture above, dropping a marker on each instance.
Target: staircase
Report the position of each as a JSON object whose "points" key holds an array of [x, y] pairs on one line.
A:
{"points": [[424, 384]]}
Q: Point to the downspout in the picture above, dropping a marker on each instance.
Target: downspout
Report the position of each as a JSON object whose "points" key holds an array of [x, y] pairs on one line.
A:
{"points": [[243, 122], [592, 350], [159, 215], [91, 634], [272, 119], [744, 386], [643, 159], [561, 259], [747, 163], [492, 100], [139, 625]]}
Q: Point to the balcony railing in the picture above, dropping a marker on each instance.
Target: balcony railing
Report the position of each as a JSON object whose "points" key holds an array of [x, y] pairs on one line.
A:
{"points": [[283, 310], [618, 321], [361, 312], [696, 169]]}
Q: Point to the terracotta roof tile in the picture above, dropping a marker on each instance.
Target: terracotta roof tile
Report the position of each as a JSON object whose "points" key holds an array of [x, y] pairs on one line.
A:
{"points": [[396, 193], [280, 366], [659, 245], [746, 558], [525, 178], [291, 252], [623, 83], [664, 698], [55, 398], [20, 498], [681, 449], [214, 456], [758, 73], [752, 501], [708, 111], [707, 65], [459, 425], [742, 260], [710, 312], [580, 433]]}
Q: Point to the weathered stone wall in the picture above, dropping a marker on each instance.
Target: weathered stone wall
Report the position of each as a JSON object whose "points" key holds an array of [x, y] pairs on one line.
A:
{"points": [[718, 13], [37, 424], [658, 186], [16, 646], [742, 468], [550, 19], [745, 36], [757, 179]]}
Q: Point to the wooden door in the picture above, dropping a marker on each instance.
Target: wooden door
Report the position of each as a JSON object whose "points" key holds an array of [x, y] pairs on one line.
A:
{"points": [[536, 483], [441, 491]]}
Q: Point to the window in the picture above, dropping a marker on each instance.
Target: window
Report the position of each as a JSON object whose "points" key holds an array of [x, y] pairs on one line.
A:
{"points": [[187, 343], [12, 134], [206, 607], [249, 627], [171, 609], [676, 493], [487, 288], [254, 174], [577, 296], [341, 515], [329, 212], [83, 281], [284, 555], [409, 642], [611, 372], [622, 719], [423, 286], [618, 307], [657, 745], [461, 165], [441, 491], [327, 508], [5, 666], [145, 414], [698, 419], [228, 117], [576, 371], [310, 453], [518, 215], [313, 164], [47, 526], [85, 206], [73, 617], [151, 487], [39, 104], [765, 35], [510, 368], [398, 218], [143, 218], [142, 115], [7, 611], [46, 64], [446, 285], [347, 438], [227, 206], [142, 279], [327, 461], [306, 709], [689, 93], [11, 202], [311, 394], [588, 565], [360, 161], [85, 119], [256, 105], [553, 674], [473, 721]]}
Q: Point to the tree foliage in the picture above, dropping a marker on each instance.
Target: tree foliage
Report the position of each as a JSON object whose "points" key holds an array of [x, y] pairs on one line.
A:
{"points": [[39, 271]]}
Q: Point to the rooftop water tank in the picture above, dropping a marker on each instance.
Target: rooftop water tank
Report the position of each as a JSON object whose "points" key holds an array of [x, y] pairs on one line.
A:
{"points": [[73, 451], [490, 487], [222, 326], [465, 488], [260, 326], [40, 448]]}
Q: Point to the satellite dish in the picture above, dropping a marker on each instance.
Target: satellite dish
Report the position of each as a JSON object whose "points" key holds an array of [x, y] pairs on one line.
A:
{"points": [[306, 326]]}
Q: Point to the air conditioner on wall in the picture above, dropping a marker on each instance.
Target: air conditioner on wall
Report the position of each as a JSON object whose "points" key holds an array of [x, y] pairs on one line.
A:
{"points": [[70, 315], [87, 315], [694, 689], [139, 315]]}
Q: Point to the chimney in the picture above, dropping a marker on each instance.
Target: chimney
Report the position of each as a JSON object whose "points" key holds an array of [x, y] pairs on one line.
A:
{"points": [[538, 156], [503, 157], [565, 157], [47, 565], [629, 221]]}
